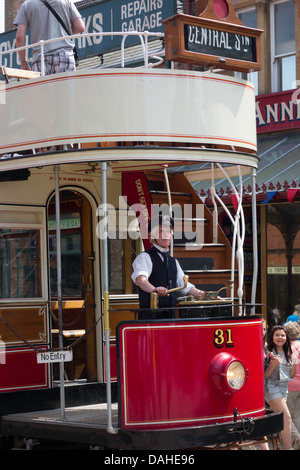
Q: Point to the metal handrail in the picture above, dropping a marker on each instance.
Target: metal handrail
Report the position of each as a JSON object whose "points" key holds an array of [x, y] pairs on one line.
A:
{"points": [[143, 36]]}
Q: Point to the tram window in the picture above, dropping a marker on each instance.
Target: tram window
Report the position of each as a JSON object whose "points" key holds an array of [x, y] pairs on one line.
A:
{"points": [[72, 234], [121, 253], [20, 263], [70, 264], [116, 266]]}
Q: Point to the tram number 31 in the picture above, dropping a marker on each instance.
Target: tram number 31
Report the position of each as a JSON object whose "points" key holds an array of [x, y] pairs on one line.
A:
{"points": [[223, 338]]}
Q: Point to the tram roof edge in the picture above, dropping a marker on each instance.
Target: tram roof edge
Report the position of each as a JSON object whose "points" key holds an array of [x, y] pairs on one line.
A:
{"points": [[124, 158]]}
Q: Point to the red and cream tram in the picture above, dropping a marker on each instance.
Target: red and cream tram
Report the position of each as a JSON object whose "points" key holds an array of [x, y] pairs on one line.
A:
{"points": [[69, 143]]}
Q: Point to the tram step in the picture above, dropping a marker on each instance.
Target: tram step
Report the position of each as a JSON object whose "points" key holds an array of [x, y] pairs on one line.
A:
{"points": [[200, 246], [173, 193], [201, 256], [207, 278], [184, 237], [186, 230], [191, 264], [207, 272], [161, 197], [212, 280]]}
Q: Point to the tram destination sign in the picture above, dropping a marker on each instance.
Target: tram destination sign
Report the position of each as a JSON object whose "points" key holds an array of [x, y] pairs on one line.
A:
{"points": [[208, 42], [204, 40]]}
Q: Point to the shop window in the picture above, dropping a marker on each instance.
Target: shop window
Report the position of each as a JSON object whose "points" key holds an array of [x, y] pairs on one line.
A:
{"points": [[283, 55], [71, 265], [249, 18]]}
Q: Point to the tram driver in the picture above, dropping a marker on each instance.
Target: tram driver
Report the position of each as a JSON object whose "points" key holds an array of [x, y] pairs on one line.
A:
{"points": [[155, 270]]}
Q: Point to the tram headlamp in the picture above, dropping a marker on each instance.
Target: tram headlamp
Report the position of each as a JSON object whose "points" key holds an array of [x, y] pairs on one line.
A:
{"points": [[236, 375], [227, 374]]}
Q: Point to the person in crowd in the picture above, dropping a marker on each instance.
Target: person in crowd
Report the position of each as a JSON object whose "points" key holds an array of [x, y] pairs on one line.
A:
{"points": [[43, 25], [293, 398], [155, 270], [265, 334], [280, 368], [293, 318]]}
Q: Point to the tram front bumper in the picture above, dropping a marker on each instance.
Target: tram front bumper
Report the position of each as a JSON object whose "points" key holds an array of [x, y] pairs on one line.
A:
{"points": [[270, 423]]}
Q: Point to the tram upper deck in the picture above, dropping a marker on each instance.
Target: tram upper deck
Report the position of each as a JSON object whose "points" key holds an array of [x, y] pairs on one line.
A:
{"points": [[163, 107], [143, 118]]}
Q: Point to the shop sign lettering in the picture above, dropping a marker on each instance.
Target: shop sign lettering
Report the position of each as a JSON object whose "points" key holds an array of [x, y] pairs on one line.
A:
{"points": [[277, 112]]}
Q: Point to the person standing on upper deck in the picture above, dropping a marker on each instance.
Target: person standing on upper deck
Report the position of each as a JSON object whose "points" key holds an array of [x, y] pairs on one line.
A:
{"points": [[43, 25]]}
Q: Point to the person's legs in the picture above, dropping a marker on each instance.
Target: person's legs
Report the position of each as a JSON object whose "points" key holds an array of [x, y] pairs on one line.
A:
{"points": [[280, 405], [293, 403]]}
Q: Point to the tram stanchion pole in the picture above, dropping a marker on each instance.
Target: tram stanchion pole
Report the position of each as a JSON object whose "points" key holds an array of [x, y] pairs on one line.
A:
{"points": [[59, 291], [110, 427], [254, 238]]}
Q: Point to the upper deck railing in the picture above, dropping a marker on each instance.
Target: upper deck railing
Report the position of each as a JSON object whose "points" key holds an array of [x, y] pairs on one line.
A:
{"points": [[201, 108], [143, 37]]}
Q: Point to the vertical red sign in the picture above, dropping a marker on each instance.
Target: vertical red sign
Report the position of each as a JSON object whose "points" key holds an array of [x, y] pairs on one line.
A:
{"points": [[135, 188]]}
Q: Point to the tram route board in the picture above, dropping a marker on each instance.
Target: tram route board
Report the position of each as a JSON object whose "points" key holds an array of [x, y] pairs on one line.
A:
{"points": [[207, 42]]}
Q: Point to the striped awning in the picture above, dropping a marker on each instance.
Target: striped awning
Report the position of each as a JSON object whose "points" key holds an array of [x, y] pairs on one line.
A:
{"points": [[278, 169]]}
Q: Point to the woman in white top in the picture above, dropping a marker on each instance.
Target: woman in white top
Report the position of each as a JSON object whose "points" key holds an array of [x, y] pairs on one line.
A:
{"points": [[280, 368]]}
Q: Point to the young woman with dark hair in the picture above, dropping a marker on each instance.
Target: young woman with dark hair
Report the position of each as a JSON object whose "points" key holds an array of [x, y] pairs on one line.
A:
{"points": [[280, 368]]}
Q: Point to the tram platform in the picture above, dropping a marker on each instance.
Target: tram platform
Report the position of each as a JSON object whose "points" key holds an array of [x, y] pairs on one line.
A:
{"points": [[81, 424], [87, 425]]}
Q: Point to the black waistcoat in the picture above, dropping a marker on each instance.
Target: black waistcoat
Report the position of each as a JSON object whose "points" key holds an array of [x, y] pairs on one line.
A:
{"points": [[160, 276]]}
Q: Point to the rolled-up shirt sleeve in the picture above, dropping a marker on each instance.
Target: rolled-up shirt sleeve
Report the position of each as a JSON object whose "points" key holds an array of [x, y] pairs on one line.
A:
{"points": [[142, 266]]}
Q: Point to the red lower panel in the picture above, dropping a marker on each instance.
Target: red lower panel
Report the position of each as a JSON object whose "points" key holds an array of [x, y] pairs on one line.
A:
{"points": [[165, 372], [22, 372]]}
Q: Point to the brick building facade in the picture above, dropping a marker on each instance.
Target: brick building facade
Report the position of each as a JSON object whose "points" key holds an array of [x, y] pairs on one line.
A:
{"points": [[11, 9]]}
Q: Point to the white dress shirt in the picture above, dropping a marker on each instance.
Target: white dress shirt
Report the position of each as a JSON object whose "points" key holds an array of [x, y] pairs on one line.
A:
{"points": [[142, 266]]}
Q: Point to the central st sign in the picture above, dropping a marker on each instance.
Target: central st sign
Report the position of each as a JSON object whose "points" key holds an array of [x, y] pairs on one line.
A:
{"points": [[207, 42], [214, 37], [210, 40]]}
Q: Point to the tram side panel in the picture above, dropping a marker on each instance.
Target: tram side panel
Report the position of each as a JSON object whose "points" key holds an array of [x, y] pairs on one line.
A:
{"points": [[19, 369], [176, 374]]}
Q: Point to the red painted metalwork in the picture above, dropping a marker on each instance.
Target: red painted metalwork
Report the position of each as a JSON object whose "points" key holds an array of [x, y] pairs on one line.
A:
{"points": [[165, 372], [22, 372], [221, 8]]}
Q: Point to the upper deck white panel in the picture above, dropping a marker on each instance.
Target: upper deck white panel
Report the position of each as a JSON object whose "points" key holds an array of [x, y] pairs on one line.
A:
{"points": [[128, 105]]}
